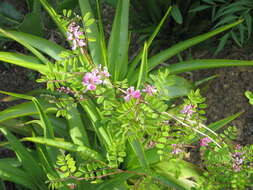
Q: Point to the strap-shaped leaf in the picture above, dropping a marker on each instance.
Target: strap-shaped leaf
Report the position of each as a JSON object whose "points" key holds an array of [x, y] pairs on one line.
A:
{"points": [[54, 16], [83, 150], [216, 126], [144, 67], [25, 44], [137, 59], [28, 162], [23, 61], [95, 47], [139, 152], [48, 47], [118, 44], [10, 172], [205, 64], [174, 50], [77, 129]]}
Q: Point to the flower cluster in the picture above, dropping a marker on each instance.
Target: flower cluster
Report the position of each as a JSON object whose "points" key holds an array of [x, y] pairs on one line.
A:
{"points": [[205, 141], [131, 93], [237, 161], [188, 110], [95, 77], [175, 149], [75, 35]]}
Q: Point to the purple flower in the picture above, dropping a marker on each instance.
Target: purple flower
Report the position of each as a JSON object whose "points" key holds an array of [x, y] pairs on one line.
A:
{"points": [[75, 35], [237, 161], [131, 93], [175, 150], [90, 80], [205, 141], [188, 110], [150, 90], [95, 77]]}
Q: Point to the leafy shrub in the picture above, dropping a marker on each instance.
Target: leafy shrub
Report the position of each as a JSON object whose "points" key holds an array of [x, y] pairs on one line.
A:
{"points": [[103, 122]]}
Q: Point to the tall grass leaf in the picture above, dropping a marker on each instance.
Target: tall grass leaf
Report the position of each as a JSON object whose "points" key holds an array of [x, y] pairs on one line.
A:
{"points": [[82, 150], [248, 20], [217, 125], [77, 129], [25, 44], [139, 152], [12, 173], [94, 47], [174, 50], [200, 8], [235, 38], [222, 43], [205, 64], [136, 60], [118, 43], [28, 162], [144, 67], [48, 47], [55, 17], [176, 14], [23, 61]]}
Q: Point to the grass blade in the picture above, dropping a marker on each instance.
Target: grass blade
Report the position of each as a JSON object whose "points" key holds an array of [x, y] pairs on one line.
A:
{"points": [[25, 44], [174, 50], [77, 130], [10, 172], [205, 64], [54, 16], [139, 152], [95, 47], [48, 47], [83, 150], [23, 61], [217, 125], [28, 162], [144, 67], [118, 43]]}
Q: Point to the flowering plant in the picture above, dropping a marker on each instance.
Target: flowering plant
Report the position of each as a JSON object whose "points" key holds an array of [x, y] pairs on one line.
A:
{"points": [[117, 125]]}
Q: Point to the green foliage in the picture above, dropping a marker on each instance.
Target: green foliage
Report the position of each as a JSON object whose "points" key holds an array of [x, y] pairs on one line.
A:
{"points": [[227, 11], [122, 127]]}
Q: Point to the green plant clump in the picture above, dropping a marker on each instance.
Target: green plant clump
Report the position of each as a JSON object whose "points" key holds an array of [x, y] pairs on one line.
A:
{"points": [[107, 122]]}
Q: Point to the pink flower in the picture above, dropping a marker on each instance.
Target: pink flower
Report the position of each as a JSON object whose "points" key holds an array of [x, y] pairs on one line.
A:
{"points": [[75, 35], [91, 80], [131, 93], [176, 150], [150, 90], [188, 110], [205, 141]]}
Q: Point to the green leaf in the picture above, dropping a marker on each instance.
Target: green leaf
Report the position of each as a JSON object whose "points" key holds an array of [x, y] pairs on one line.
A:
{"points": [[48, 47], [249, 95], [144, 67], [118, 43], [82, 150], [222, 43], [55, 17], [25, 44], [20, 110], [174, 50], [77, 129], [150, 40], [10, 172], [28, 162], [139, 152], [205, 64], [33, 19], [217, 125], [176, 14], [95, 47], [165, 172], [23, 61]]}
